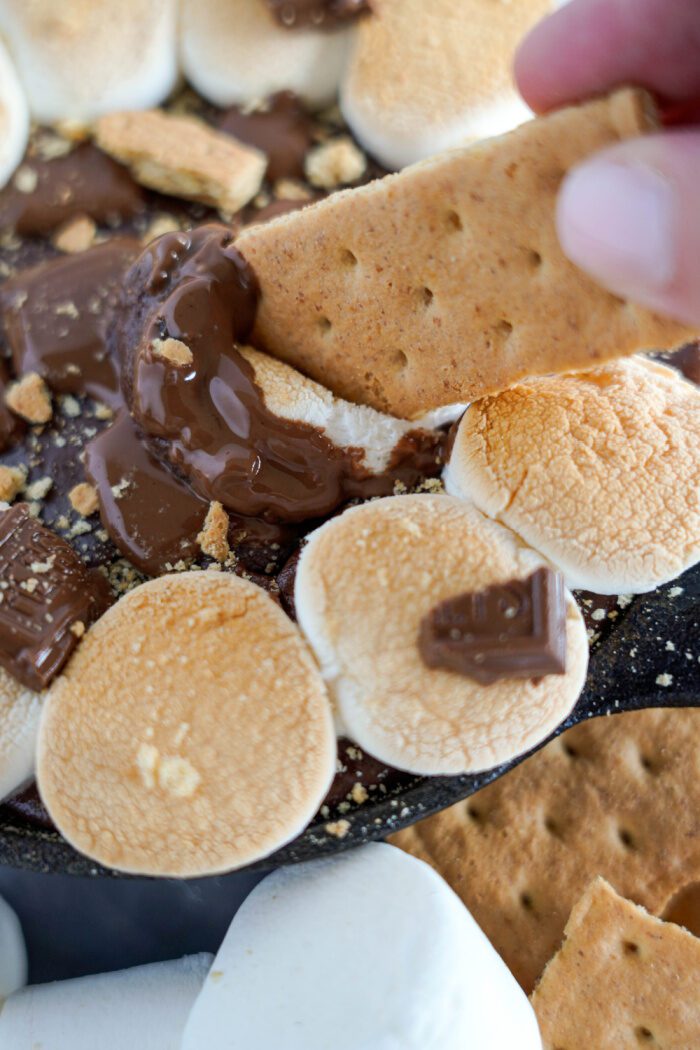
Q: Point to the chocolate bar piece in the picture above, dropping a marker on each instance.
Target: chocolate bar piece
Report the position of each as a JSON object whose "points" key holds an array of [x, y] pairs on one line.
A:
{"points": [[511, 630], [47, 598]]}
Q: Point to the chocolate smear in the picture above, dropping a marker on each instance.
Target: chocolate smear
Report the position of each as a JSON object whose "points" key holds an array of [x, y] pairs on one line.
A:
{"points": [[84, 182], [282, 129], [58, 317], [11, 426], [317, 14], [49, 597], [510, 630]]}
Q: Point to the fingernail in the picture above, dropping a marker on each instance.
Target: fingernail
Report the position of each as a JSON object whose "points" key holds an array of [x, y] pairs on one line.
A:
{"points": [[617, 221]]}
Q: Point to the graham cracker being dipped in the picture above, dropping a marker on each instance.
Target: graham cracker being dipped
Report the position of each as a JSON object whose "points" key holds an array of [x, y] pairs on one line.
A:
{"points": [[622, 978], [617, 797], [447, 282]]}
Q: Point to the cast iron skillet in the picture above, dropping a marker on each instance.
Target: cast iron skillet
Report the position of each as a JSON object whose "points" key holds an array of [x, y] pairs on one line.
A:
{"points": [[632, 668]]}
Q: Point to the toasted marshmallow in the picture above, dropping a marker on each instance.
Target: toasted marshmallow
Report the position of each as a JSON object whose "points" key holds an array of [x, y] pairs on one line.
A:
{"points": [[146, 1006], [79, 59], [364, 584], [234, 52], [191, 732], [13, 954], [599, 471], [426, 77], [371, 949], [20, 710], [14, 118], [290, 395]]}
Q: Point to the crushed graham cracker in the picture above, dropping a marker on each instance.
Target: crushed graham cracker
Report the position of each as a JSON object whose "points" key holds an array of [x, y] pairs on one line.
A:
{"points": [[76, 235], [12, 481], [213, 539], [83, 499], [174, 351], [29, 398], [335, 163]]}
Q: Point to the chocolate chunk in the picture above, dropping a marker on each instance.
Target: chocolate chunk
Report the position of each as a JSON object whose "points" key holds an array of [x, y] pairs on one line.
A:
{"points": [[687, 361], [317, 14], [58, 316], [282, 130], [48, 598], [84, 182], [11, 426], [510, 630]]}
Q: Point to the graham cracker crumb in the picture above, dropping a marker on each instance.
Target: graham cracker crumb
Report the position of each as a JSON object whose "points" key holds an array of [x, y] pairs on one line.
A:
{"points": [[76, 235], [12, 481], [664, 680], [83, 499], [174, 351], [39, 489], [160, 225], [289, 190], [359, 793], [184, 157], [78, 628], [338, 828], [335, 163], [213, 539], [30, 399], [25, 179]]}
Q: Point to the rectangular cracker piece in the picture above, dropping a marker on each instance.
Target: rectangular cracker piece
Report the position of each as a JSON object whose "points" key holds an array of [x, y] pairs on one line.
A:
{"points": [[617, 797], [447, 282], [622, 978], [183, 156]]}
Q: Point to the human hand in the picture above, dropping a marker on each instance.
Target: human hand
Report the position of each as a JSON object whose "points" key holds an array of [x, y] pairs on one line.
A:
{"points": [[630, 216]]}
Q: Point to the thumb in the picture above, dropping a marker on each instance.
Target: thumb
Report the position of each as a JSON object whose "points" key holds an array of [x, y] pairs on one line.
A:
{"points": [[630, 217]]}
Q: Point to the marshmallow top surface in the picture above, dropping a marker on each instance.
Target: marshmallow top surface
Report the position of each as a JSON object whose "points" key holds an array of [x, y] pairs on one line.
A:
{"points": [[20, 710], [13, 954], [599, 471], [79, 59], [234, 52], [146, 1006], [366, 580], [425, 77], [371, 950], [191, 733], [14, 117]]}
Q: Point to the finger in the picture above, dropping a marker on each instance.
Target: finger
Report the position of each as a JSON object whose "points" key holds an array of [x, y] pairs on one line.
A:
{"points": [[630, 217], [590, 46]]}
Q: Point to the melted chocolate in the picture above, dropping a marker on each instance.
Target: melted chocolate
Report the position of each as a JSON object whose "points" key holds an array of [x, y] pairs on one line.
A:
{"points": [[509, 630], [46, 592], [283, 130], [687, 361], [84, 182], [11, 426], [317, 14], [58, 317], [209, 418]]}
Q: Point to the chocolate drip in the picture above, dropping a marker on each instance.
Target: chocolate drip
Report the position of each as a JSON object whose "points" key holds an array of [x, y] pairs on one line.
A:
{"points": [[317, 14], [11, 427], [58, 317], [687, 361], [283, 130], [84, 182], [49, 597], [208, 417], [509, 630]]}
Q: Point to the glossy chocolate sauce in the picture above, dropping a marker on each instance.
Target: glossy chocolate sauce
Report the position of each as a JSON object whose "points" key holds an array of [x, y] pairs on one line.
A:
{"points": [[49, 597], [317, 14], [58, 317], [208, 419], [282, 129], [84, 182]]}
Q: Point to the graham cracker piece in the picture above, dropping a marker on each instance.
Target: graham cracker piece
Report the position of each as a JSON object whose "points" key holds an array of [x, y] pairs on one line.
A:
{"points": [[622, 978], [617, 797], [183, 156], [447, 282]]}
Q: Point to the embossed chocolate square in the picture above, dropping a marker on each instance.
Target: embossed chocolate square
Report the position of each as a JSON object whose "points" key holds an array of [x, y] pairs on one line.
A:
{"points": [[47, 598], [510, 630]]}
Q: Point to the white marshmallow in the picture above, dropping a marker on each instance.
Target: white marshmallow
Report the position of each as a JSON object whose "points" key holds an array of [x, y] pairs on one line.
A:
{"points": [[14, 118], [368, 951], [13, 953], [292, 396], [233, 52], [20, 710], [143, 1007], [78, 59]]}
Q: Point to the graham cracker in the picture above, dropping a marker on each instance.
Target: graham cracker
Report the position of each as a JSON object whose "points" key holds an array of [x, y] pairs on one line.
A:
{"points": [[447, 282], [617, 797], [622, 978]]}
